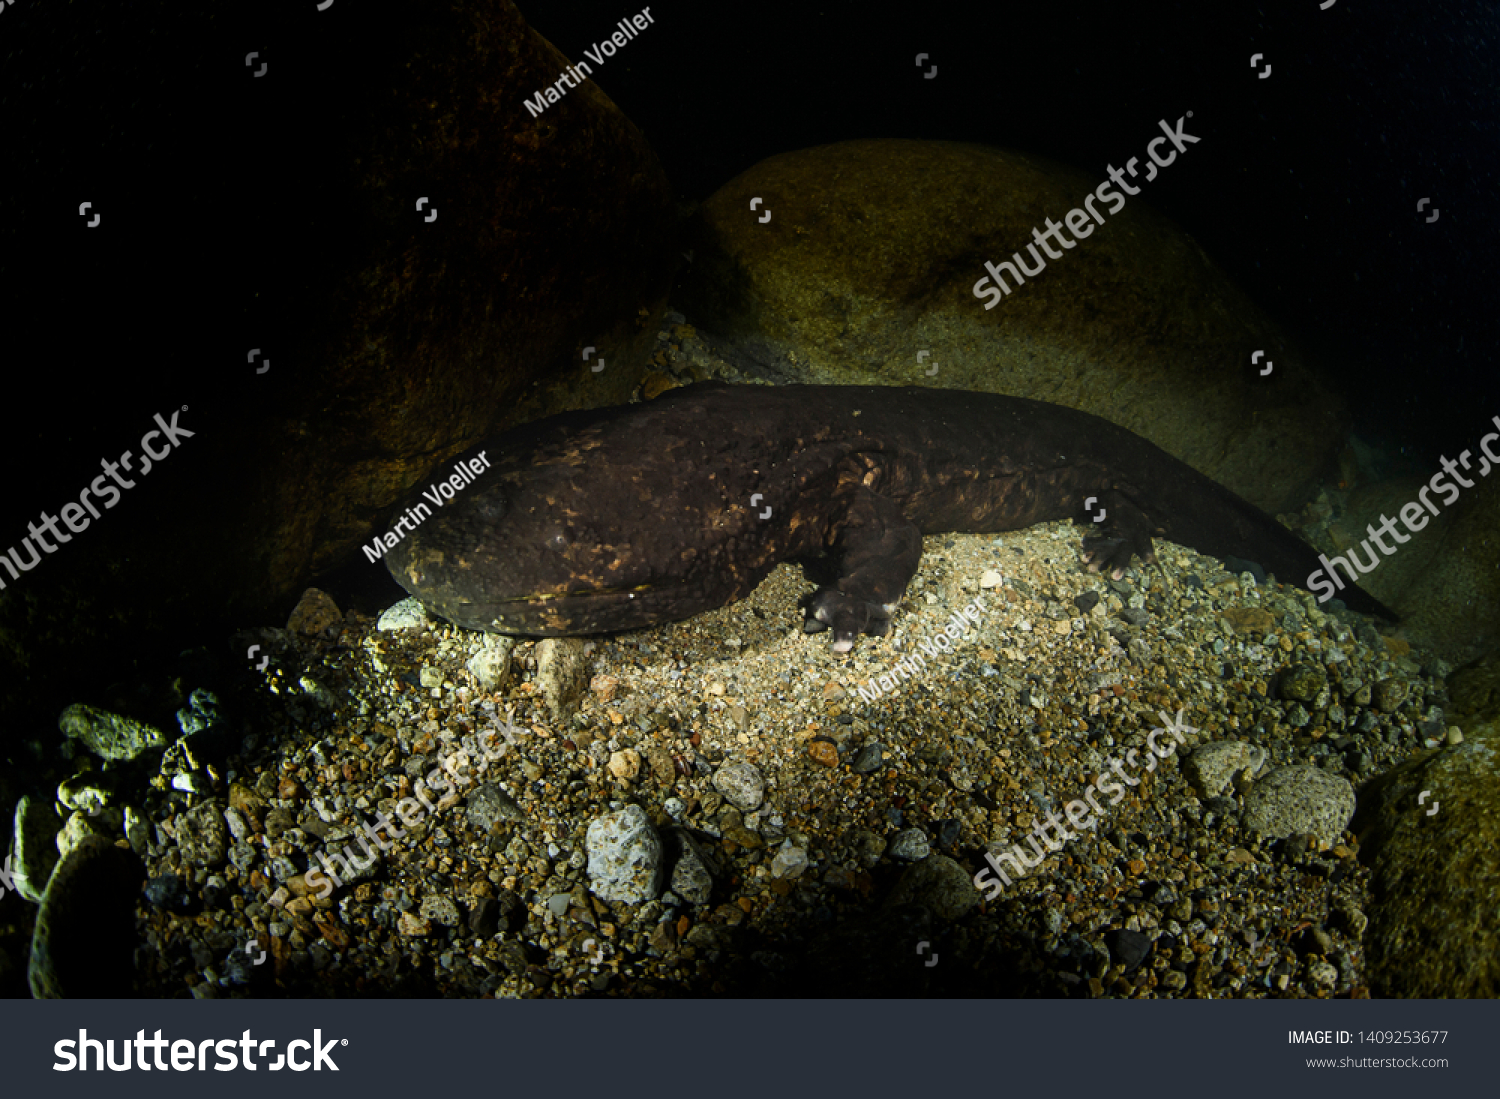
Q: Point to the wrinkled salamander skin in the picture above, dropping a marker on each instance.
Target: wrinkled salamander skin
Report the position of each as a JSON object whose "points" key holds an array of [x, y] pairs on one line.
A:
{"points": [[624, 517]]}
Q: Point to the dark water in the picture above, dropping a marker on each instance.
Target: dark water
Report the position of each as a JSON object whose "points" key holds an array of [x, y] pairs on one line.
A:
{"points": [[222, 193]]}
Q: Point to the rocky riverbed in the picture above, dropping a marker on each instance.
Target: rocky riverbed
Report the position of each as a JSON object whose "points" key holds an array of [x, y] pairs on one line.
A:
{"points": [[712, 807], [724, 806]]}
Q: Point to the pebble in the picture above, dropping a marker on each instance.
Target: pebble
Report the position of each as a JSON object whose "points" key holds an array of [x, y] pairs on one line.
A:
{"points": [[489, 805], [1300, 799], [625, 764], [624, 856], [170, 893], [441, 910], [235, 821], [560, 675], [201, 835], [1389, 694], [87, 793], [1212, 768], [136, 831], [1247, 620], [1127, 947], [691, 878], [77, 826], [409, 923], [405, 615], [939, 884], [1303, 682], [491, 665], [1323, 974], [910, 845], [741, 784], [869, 759], [315, 615], [789, 862], [824, 752]]}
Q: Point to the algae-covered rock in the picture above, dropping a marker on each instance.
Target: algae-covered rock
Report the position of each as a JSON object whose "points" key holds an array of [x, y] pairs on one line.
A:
{"points": [[872, 271], [107, 735], [1435, 922], [84, 941], [34, 848]]}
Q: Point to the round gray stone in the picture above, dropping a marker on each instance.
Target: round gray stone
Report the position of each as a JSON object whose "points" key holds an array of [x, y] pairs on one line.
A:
{"points": [[741, 784], [1300, 799], [910, 844]]}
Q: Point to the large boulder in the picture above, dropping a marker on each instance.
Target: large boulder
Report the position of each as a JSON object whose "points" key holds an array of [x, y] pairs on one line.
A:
{"points": [[872, 254], [1442, 580], [84, 942], [1430, 829]]}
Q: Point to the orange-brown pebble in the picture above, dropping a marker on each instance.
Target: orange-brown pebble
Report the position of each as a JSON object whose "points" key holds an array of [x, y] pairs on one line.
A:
{"points": [[823, 752]]}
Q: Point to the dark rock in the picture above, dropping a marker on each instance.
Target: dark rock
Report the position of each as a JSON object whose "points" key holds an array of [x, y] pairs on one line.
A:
{"points": [[869, 759], [484, 917], [938, 884], [1238, 565], [84, 942], [489, 805], [692, 879], [1129, 948], [949, 831], [1302, 682], [170, 893], [1390, 693], [912, 223]]}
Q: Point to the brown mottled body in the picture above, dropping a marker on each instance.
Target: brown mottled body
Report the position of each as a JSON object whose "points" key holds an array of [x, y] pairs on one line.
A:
{"points": [[630, 516]]}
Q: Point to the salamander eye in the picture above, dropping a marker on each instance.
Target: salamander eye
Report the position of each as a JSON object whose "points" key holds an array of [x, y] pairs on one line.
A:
{"points": [[557, 540], [492, 507]]}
